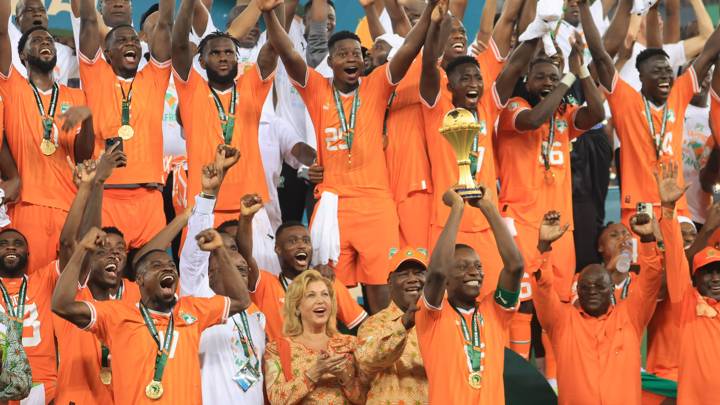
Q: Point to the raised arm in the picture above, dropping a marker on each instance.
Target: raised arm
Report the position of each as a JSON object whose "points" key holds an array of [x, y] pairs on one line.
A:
{"points": [[399, 20], [641, 301], [487, 21], [243, 23], [160, 43], [653, 35], [457, 8], [249, 206], [89, 29], [317, 33], [11, 183], [513, 264], [280, 41], [618, 29], [181, 51], [84, 144], [407, 53], [694, 45], [443, 255], [602, 60], [671, 26], [233, 284], [594, 112], [505, 26], [163, 239], [708, 55], [518, 63], [430, 77], [545, 298], [5, 45], [63, 299], [534, 118], [373, 20], [84, 176]]}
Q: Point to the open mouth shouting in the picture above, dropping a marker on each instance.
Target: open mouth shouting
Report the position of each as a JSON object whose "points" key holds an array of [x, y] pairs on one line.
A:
{"points": [[353, 72], [301, 259], [46, 51], [11, 259], [167, 283], [664, 87], [321, 312], [130, 56], [472, 96]]}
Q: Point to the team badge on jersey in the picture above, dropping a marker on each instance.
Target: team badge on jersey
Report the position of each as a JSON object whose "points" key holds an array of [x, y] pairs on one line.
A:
{"points": [[483, 127], [671, 115], [188, 318], [561, 125], [64, 107], [513, 106]]}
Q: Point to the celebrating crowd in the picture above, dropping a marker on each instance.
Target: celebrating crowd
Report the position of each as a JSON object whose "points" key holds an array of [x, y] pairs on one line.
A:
{"points": [[282, 212]]}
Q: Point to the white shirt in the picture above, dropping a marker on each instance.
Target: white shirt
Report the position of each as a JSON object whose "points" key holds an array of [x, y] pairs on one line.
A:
{"points": [[630, 74], [697, 145], [566, 31], [220, 349], [276, 140], [66, 67]]}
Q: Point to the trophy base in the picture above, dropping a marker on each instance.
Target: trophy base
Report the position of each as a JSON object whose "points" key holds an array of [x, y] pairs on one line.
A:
{"points": [[470, 193]]}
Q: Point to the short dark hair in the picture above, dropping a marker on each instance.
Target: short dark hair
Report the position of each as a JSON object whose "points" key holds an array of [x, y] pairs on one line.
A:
{"points": [[114, 29], [463, 246], [340, 36], [111, 230], [309, 3], [648, 54], [227, 224], [459, 61], [7, 230], [216, 35], [26, 35], [541, 59], [285, 225], [140, 262], [152, 9]]}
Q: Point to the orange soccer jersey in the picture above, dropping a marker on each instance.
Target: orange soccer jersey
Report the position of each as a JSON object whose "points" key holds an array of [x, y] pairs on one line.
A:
{"points": [[80, 357], [120, 326], [442, 347], [47, 180], [38, 333], [715, 115], [356, 170], [203, 133], [104, 91], [638, 151], [269, 296]]}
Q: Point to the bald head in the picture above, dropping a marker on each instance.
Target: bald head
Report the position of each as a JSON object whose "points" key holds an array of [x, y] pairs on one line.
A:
{"points": [[594, 289]]}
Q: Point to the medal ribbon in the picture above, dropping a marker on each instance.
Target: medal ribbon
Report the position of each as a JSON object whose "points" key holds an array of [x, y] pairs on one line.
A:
{"points": [[387, 111], [47, 118], [126, 99], [16, 314], [163, 347], [246, 340], [348, 129], [227, 120], [283, 282], [474, 156], [624, 292], [657, 140], [548, 147], [105, 352], [473, 345]]}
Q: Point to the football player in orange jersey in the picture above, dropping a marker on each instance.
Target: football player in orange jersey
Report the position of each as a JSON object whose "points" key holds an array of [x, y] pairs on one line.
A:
{"points": [[41, 129], [351, 168], [648, 123]]}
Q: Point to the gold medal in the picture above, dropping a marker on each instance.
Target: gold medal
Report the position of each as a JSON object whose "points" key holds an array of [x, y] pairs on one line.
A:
{"points": [[105, 375], [475, 380], [549, 177], [126, 132], [154, 390], [47, 147]]}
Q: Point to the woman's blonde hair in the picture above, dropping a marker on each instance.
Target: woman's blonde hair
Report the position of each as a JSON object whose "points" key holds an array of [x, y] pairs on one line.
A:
{"points": [[292, 325]]}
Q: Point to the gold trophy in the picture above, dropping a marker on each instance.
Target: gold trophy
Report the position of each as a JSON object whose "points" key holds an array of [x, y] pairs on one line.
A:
{"points": [[460, 128]]}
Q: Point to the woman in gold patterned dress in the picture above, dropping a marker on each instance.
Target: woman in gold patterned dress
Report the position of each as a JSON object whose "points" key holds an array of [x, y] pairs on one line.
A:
{"points": [[312, 363]]}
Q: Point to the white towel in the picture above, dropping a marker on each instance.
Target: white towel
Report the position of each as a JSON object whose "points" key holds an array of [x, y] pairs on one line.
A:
{"points": [[325, 230], [549, 12], [642, 6], [264, 243]]}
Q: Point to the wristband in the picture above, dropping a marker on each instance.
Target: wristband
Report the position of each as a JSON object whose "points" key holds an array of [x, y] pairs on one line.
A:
{"points": [[568, 79], [208, 196], [584, 72], [506, 299]]}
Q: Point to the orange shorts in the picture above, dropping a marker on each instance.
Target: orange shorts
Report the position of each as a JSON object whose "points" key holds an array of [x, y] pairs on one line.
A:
{"points": [[484, 244], [368, 230], [41, 227], [414, 215], [563, 256], [138, 213]]}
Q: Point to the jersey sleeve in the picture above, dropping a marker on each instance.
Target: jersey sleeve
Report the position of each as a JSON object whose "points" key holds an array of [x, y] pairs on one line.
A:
{"points": [[677, 268], [316, 86], [642, 299], [104, 319], [349, 312], [617, 97], [546, 300], [491, 64], [186, 88], [509, 114], [715, 116], [254, 86], [156, 75], [94, 72], [570, 114], [686, 86], [11, 83], [210, 311], [380, 83]]}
